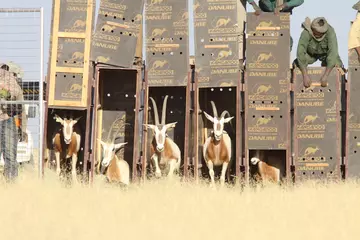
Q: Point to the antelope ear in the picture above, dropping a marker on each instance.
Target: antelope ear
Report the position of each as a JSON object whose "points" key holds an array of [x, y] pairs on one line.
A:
{"points": [[170, 125], [226, 120], [58, 119], [76, 120], [119, 145], [101, 142], [150, 126], [210, 118]]}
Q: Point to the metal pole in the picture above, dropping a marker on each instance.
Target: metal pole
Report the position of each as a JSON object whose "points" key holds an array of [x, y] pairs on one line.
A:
{"points": [[41, 94]]}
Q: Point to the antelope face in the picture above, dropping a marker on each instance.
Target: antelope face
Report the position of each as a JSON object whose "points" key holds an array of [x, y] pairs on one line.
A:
{"points": [[160, 134], [218, 125], [109, 150], [68, 125]]}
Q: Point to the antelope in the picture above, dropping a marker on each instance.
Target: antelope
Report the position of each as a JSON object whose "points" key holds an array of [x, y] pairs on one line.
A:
{"points": [[117, 170], [163, 151], [266, 171], [72, 138], [217, 147]]}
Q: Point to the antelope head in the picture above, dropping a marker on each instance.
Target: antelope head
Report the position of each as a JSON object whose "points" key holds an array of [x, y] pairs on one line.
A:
{"points": [[68, 125], [109, 150], [109, 146], [160, 129], [218, 122]]}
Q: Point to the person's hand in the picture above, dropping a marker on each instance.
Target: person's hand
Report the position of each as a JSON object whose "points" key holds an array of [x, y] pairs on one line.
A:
{"points": [[323, 81], [306, 81], [258, 12]]}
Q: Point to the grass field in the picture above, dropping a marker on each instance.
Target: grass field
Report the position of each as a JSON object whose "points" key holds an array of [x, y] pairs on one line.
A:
{"points": [[31, 209]]}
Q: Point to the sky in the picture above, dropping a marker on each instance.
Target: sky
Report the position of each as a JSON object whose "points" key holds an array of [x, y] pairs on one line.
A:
{"points": [[338, 15]]}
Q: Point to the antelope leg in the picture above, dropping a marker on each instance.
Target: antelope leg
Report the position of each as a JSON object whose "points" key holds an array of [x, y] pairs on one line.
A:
{"points": [[223, 172], [172, 164], [210, 165], [157, 168], [57, 157], [73, 167]]}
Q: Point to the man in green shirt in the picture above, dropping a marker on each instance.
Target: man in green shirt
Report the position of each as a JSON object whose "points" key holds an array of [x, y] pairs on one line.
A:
{"points": [[270, 6], [318, 41]]}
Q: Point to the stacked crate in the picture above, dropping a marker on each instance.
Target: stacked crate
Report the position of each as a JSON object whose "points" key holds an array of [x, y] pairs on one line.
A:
{"points": [[267, 84]]}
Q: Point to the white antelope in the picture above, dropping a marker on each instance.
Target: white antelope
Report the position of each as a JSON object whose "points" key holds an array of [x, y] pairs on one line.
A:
{"points": [[267, 172], [72, 138], [117, 170], [217, 147], [163, 150]]}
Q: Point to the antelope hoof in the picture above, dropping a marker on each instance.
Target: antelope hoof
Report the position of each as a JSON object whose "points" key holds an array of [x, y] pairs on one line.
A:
{"points": [[222, 181], [158, 174], [74, 177], [58, 171]]}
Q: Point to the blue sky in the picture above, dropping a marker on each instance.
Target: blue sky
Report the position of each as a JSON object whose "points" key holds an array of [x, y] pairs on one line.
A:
{"points": [[338, 15]]}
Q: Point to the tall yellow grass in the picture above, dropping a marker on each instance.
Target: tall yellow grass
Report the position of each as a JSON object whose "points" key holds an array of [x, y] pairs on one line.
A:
{"points": [[34, 209]]}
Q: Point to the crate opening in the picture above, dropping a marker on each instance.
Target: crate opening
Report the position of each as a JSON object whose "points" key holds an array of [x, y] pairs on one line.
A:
{"points": [[54, 127], [224, 99], [175, 112], [116, 116], [267, 164]]}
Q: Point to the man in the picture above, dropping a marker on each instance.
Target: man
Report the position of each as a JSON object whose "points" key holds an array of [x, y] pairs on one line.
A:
{"points": [[317, 41], [10, 91], [270, 6], [354, 34]]}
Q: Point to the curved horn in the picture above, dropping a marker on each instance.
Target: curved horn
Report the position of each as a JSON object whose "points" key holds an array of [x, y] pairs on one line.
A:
{"points": [[111, 127], [224, 113], [121, 126], [156, 114], [163, 113], [214, 109]]}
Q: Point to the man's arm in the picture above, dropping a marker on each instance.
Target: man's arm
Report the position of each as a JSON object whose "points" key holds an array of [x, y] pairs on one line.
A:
{"points": [[293, 3], [255, 6], [302, 49], [17, 95], [333, 52]]}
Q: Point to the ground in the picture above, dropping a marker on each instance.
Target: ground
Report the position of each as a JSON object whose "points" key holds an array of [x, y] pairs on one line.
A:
{"points": [[38, 210]]}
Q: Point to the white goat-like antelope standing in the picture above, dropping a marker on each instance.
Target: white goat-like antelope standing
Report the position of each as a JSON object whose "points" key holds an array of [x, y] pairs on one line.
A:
{"points": [[117, 170], [72, 139], [163, 151], [217, 147]]}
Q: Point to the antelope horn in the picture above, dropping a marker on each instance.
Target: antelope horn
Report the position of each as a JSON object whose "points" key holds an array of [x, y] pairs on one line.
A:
{"points": [[156, 114], [224, 113], [163, 113], [111, 127], [214, 109], [119, 128]]}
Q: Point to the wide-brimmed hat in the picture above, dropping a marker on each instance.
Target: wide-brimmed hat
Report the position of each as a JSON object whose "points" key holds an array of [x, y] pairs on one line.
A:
{"points": [[320, 25], [356, 6]]}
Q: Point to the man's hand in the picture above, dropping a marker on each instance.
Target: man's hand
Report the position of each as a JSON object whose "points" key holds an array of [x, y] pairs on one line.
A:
{"points": [[323, 80], [306, 80], [257, 9], [258, 12], [280, 8]]}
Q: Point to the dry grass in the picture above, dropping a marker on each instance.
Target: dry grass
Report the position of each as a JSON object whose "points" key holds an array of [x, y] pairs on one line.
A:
{"points": [[38, 210]]}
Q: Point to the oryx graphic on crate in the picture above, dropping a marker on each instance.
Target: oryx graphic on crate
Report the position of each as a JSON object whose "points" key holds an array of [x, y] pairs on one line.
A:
{"points": [[217, 147], [163, 150], [117, 170], [67, 141]]}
